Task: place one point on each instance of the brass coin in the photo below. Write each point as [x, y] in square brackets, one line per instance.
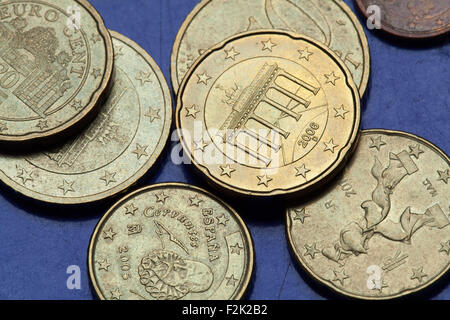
[381, 230]
[331, 22]
[170, 241]
[56, 61]
[116, 150]
[411, 19]
[267, 113]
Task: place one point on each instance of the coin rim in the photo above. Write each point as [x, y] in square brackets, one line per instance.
[403, 33]
[298, 256]
[250, 263]
[96, 96]
[176, 83]
[139, 173]
[333, 169]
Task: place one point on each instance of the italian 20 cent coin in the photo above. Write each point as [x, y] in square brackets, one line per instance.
[330, 22]
[268, 113]
[56, 59]
[412, 19]
[167, 242]
[117, 148]
[382, 229]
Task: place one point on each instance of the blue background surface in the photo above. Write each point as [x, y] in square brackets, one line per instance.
[408, 90]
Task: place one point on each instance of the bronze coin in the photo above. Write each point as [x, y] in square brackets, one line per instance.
[413, 19]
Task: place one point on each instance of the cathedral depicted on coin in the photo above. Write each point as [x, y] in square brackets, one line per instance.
[167, 242]
[117, 149]
[56, 60]
[382, 229]
[410, 18]
[329, 21]
[267, 113]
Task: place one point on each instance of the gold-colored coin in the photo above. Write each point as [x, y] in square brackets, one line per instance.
[170, 241]
[56, 60]
[117, 149]
[267, 113]
[382, 229]
[331, 22]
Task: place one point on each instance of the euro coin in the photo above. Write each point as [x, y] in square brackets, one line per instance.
[381, 230]
[170, 241]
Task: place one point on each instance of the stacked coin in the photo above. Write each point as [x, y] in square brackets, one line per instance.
[268, 105]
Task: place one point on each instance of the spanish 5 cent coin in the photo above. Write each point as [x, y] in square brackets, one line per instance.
[56, 60]
[117, 149]
[170, 241]
[330, 22]
[268, 113]
[381, 230]
[413, 19]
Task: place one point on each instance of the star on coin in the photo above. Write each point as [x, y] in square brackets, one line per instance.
[301, 215]
[161, 197]
[264, 179]
[231, 54]
[445, 247]
[203, 78]
[76, 104]
[222, 220]
[42, 125]
[330, 146]
[141, 151]
[340, 276]
[340, 112]
[418, 274]
[331, 78]
[200, 145]
[231, 281]
[311, 250]
[444, 175]
[95, 38]
[377, 143]
[130, 209]
[67, 187]
[304, 54]
[108, 177]
[415, 151]
[118, 51]
[195, 201]
[109, 234]
[3, 126]
[103, 265]
[192, 112]
[268, 45]
[302, 171]
[143, 77]
[25, 176]
[236, 249]
[115, 294]
[152, 114]
[227, 170]
[96, 72]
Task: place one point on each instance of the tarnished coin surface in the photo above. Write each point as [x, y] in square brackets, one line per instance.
[409, 18]
[328, 21]
[381, 229]
[117, 149]
[56, 60]
[170, 241]
[268, 113]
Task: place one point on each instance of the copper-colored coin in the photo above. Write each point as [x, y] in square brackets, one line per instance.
[381, 230]
[328, 21]
[411, 18]
[56, 60]
[170, 241]
[268, 113]
[117, 148]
